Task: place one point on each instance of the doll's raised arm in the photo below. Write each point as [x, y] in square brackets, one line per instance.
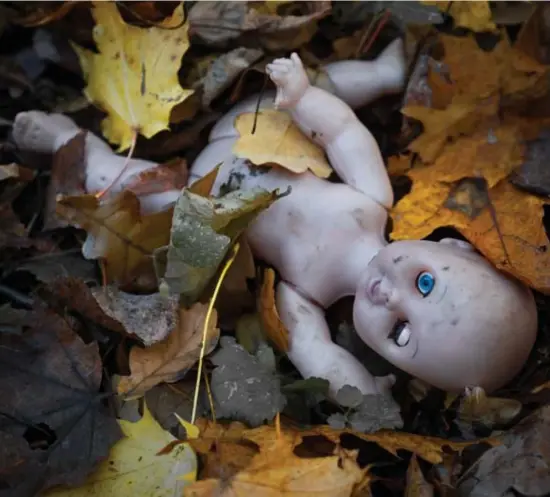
[313, 352]
[350, 147]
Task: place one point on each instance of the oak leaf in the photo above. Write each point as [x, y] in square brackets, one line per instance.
[118, 233]
[134, 77]
[168, 360]
[146, 462]
[276, 140]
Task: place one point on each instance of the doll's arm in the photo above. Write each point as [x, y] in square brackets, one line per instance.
[313, 352]
[351, 149]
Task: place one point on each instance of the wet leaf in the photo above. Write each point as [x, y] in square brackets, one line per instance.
[171, 175]
[244, 386]
[60, 376]
[130, 78]
[276, 140]
[140, 465]
[149, 317]
[202, 232]
[118, 233]
[169, 360]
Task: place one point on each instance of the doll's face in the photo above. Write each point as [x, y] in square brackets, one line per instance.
[441, 312]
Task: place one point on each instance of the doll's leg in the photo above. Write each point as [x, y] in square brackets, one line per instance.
[45, 133]
[351, 149]
[359, 82]
[314, 353]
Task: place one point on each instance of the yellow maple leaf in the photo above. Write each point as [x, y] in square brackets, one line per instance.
[277, 471]
[134, 77]
[140, 465]
[481, 83]
[508, 230]
[471, 15]
[278, 141]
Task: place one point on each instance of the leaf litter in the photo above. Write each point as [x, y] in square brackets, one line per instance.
[83, 336]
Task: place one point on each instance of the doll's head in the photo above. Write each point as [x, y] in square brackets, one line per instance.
[444, 314]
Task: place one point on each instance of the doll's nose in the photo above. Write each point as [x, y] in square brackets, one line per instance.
[384, 294]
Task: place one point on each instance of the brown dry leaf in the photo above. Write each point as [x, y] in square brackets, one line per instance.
[171, 175]
[471, 15]
[278, 141]
[519, 466]
[121, 236]
[276, 470]
[428, 448]
[169, 360]
[417, 486]
[271, 322]
[149, 317]
[218, 22]
[68, 177]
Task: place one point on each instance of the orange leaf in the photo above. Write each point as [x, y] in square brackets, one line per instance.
[271, 322]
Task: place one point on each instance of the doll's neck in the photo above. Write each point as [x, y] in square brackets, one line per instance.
[358, 255]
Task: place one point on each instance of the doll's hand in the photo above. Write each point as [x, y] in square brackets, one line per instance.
[291, 80]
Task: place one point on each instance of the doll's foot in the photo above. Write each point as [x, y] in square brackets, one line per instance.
[44, 133]
[291, 80]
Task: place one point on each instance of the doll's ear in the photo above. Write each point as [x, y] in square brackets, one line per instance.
[458, 243]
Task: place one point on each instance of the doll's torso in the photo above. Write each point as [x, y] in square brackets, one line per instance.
[307, 235]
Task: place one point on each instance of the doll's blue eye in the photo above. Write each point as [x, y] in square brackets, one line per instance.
[425, 283]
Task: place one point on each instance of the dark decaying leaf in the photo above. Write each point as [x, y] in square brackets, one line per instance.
[12, 320]
[202, 232]
[67, 178]
[225, 69]
[417, 486]
[244, 386]
[50, 267]
[534, 174]
[49, 382]
[520, 466]
[368, 413]
[149, 317]
[216, 23]
[171, 175]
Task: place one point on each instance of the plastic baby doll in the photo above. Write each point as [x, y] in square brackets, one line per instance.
[439, 311]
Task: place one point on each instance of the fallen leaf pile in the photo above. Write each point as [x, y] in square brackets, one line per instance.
[472, 142]
[143, 353]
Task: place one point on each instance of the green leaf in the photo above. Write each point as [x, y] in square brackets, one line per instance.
[203, 230]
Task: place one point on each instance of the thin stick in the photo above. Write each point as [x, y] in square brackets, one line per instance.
[205, 328]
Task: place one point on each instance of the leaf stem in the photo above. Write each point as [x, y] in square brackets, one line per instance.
[124, 167]
[205, 327]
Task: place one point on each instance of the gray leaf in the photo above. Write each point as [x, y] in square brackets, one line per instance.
[376, 412]
[337, 421]
[242, 387]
